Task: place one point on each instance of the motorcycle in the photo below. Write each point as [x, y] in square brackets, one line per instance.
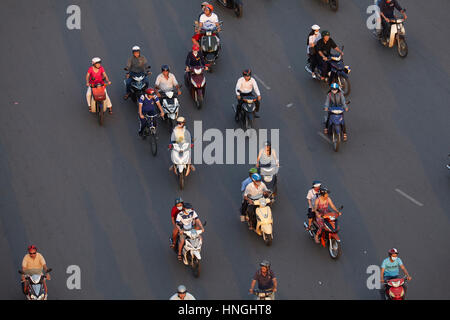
[170, 106]
[397, 35]
[334, 4]
[197, 83]
[335, 126]
[263, 294]
[210, 43]
[329, 234]
[236, 5]
[269, 175]
[150, 130]
[98, 98]
[264, 219]
[35, 284]
[448, 166]
[181, 156]
[394, 289]
[138, 85]
[191, 249]
[245, 115]
[338, 73]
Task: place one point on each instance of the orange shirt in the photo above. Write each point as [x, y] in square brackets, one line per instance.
[37, 262]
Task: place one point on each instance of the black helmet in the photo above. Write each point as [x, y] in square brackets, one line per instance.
[179, 200]
[323, 190]
[165, 67]
[187, 205]
[325, 33]
[247, 72]
[265, 263]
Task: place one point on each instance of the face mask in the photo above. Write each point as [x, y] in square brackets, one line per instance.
[316, 32]
[195, 53]
[394, 258]
[180, 208]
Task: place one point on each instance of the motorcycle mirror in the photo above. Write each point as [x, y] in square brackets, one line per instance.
[49, 270]
[21, 272]
[342, 207]
[126, 69]
[348, 102]
[204, 223]
[342, 48]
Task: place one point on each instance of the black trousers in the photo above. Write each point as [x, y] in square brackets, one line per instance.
[313, 61]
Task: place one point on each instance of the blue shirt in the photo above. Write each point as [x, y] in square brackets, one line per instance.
[149, 105]
[245, 183]
[391, 268]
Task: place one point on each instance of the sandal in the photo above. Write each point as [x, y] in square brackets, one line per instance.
[316, 240]
[179, 257]
[172, 246]
[345, 137]
[110, 110]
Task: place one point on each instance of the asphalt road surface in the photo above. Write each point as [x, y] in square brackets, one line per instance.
[95, 197]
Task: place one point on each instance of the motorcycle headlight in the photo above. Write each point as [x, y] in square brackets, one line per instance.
[267, 178]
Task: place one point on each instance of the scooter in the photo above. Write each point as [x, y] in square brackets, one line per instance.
[394, 289]
[269, 175]
[246, 115]
[210, 43]
[264, 220]
[35, 284]
[138, 85]
[335, 126]
[338, 72]
[329, 236]
[334, 4]
[397, 35]
[197, 83]
[98, 98]
[181, 157]
[236, 5]
[150, 131]
[263, 294]
[170, 105]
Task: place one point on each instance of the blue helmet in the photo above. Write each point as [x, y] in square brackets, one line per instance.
[256, 177]
[335, 86]
[316, 183]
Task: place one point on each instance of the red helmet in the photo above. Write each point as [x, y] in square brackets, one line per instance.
[149, 91]
[32, 247]
[393, 251]
[210, 7]
[195, 47]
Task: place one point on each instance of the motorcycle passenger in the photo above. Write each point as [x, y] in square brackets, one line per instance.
[194, 59]
[182, 294]
[147, 106]
[311, 196]
[267, 157]
[254, 190]
[207, 16]
[321, 207]
[186, 220]
[390, 270]
[166, 81]
[265, 278]
[244, 184]
[387, 8]
[181, 135]
[176, 209]
[33, 263]
[335, 98]
[323, 47]
[311, 51]
[246, 85]
[96, 75]
[136, 64]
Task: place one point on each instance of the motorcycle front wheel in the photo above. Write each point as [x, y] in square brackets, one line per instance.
[336, 139]
[402, 47]
[153, 143]
[334, 247]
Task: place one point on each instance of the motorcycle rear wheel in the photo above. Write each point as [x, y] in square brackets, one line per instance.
[100, 112]
[196, 267]
[267, 239]
[238, 9]
[344, 83]
[334, 5]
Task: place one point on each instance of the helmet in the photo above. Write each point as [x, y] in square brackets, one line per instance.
[96, 60]
[32, 247]
[393, 251]
[179, 200]
[195, 47]
[210, 7]
[265, 263]
[256, 177]
[204, 3]
[181, 120]
[325, 33]
[181, 289]
[323, 190]
[267, 144]
[187, 205]
[165, 67]
[253, 170]
[334, 86]
[136, 48]
[247, 72]
[316, 183]
[149, 91]
[315, 27]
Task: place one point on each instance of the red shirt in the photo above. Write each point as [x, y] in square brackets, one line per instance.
[96, 77]
[175, 212]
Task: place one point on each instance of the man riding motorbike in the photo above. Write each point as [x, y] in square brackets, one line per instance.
[335, 98]
[33, 262]
[390, 270]
[207, 16]
[311, 51]
[323, 48]
[166, 81]
[176, 209]
[255, 190]
[147, 106]
[182, 294]
[96, 75]
[186, 220]
[136, 64]
[311, 196]
[265, 278]
[181, 135]
[246, 85]
[244, 185]
[387, 8]
[321, 207]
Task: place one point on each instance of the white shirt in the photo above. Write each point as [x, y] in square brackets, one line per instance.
[166, 84]
[253, 192]
[187, 297]
[247, 86]
[213, 18]
[187, 220]
[313, 40]
[312, 195]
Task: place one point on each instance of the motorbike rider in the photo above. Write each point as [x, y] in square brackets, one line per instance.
[323, 48]
[203, 5]
[335, 98]
[265, 278]
[181, 135]
[136, 64]
[387, 8]
[321, 207]
[244, 184]
[207, 16]
[166, 81]
[313, 37]
[176, 209]
[266, 156]
[96, 75]
[182, 294]
[254, 190]
[186, 220]
[311, 196]
[246, 85]
[147, 106]
[33, 262]
[390, 270]
[194, 59]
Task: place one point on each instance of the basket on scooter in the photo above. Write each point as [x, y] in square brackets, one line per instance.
[99, 93]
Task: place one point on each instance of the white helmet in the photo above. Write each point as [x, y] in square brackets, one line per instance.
[136, 48]
[96, 60]
[315, 27]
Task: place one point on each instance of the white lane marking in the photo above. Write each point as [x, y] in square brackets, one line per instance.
[289, 105]
[409, 197]
[262, 82]
[324, 136]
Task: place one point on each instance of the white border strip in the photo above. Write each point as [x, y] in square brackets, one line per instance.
[262, 82]
[409, 197]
